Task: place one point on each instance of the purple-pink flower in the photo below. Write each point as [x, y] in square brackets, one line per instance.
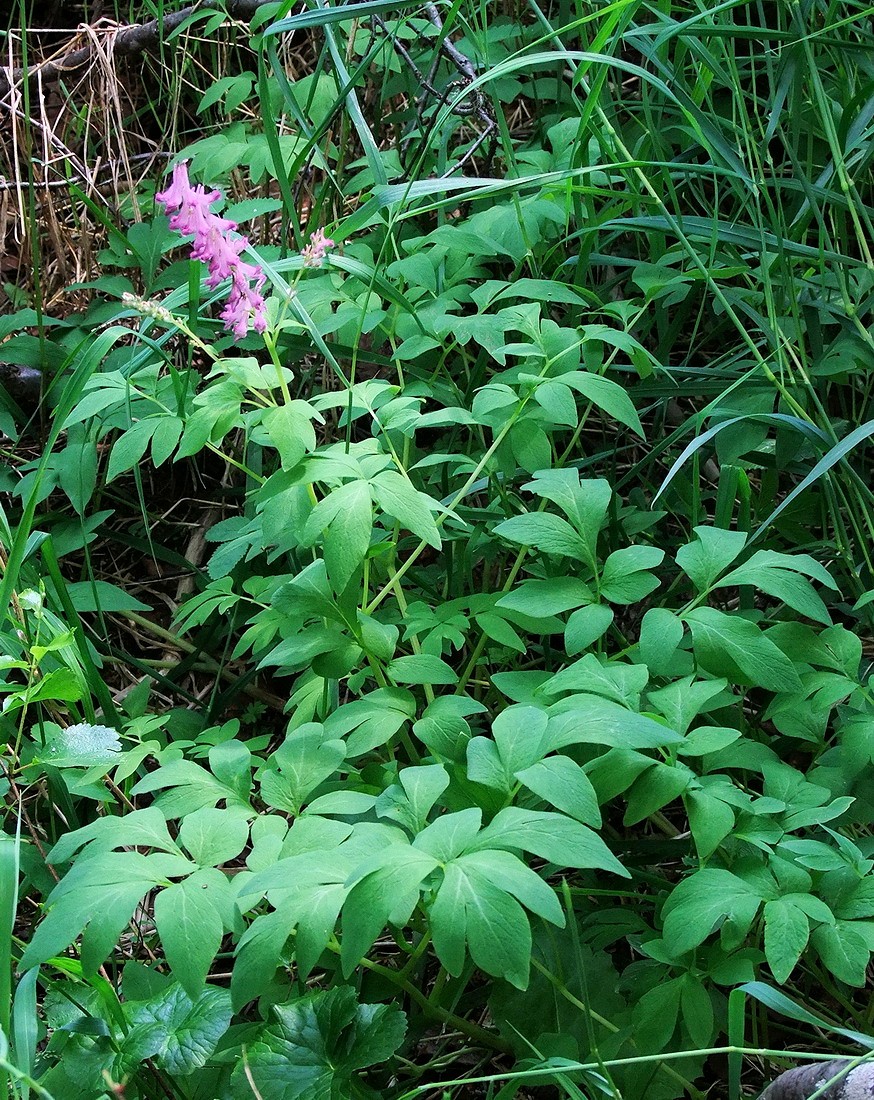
[218, 250]
[314, 252]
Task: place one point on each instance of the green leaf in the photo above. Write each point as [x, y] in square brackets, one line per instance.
[371, 721]
[468, 907]
[657, 787]
[378, 639]
[551, 836]
[563, 783]
[307, 757]
[843, 950]
[706, 739]
[82, 746]
[606, 395]
[190, 928]
[780, 575]
[165, 438]
[779, 1002]
[697, 1011]
[530, 445]
[344, 519]
[315, 1046]
[421, 668]
[626, 578]
[655, 1015]
[585, 626]
[682, 700]
[557, 401]
[307, 595]
[412, 799]
[712, 552]
[187, 786]
[731, 646]
[102, 891]
[384, 890]
[450, 834]
[590, 674]
[212, 837]
[180, 1033]
[661, 631]
[589, 719]
[585, 503]
[540, 599]
[290, 430]
[139, 828]
[710, 820]
[787, 930]
[130, 447]
[517, 741]
[518, 734]
[544, 531]
[412, 509]
[499, 630]
[97, 595]
[701, 903]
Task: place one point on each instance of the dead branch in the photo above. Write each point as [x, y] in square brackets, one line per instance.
[835, 1080]
[129, 40]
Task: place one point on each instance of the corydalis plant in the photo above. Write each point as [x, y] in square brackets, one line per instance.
[314, 253]
[219, 246]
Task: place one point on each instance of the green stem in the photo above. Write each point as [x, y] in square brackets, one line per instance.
[477, 1034]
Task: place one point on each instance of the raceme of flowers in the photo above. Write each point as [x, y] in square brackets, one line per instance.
[219, 246]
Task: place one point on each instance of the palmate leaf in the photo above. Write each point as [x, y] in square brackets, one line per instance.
[187, 787]
[702, 902]
[584, 502]
[99, 895]
[607, 396]
[369, 722]
[553, 837]
[315, 1046]
[470, 909]
[562, 783]
[384, 889]
[711, 553]
[478, 904]
[179, 1032]
[306, 758]
[140, 828]
[306, 887]
[517, 742]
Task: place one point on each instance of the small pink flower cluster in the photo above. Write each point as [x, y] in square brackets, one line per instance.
[314, 252]
[221, 252]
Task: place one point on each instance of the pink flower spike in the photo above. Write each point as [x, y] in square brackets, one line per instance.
[314, 252]
[173, 197]
[191, 215]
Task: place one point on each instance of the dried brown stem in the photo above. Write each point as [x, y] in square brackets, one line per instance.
[127, 40]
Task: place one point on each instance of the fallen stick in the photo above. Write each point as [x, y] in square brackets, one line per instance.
[826, 1080]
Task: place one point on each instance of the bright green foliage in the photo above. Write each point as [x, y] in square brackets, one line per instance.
[516, 699]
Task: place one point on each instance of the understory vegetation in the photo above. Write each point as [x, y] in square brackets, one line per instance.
[437, 547]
